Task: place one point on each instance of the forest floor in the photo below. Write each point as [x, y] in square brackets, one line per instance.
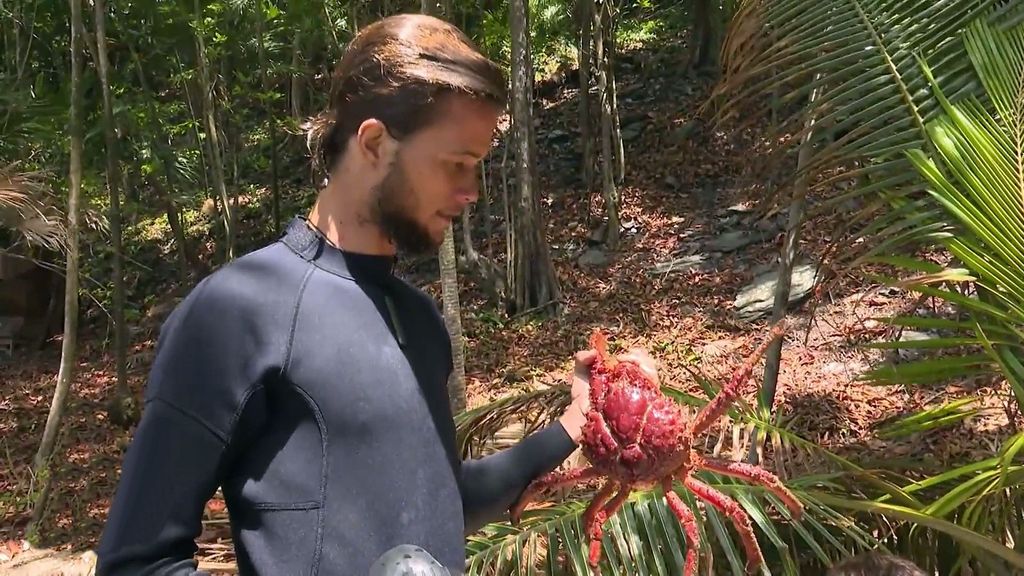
[679, 183]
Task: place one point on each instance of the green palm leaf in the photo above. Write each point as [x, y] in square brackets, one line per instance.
[874, 103]
[974, 172]
[644, 537]
[976, 176]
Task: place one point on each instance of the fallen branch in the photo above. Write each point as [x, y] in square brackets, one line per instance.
[529, 311]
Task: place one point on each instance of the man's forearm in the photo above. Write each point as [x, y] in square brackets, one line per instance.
[490, 485]
[573, 420]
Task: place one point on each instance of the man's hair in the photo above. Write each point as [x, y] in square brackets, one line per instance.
[397, 70]
[876, 564]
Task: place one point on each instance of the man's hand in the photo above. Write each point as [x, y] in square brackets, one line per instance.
[575, 416]
[641, 358]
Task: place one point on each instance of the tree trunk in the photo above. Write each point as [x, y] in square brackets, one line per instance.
[296, 81]
[773, 356]
[453, 320]
[611, 32]
[705, 34]
[186, 262]
[450, 294]
[611, 197]
[485, 209]
[210, 122]
[472, 256]
[65, 373]
[120, 406]
[585, 10]
[272, 128]
[531, 276]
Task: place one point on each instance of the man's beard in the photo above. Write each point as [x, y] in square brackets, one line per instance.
[393, 212]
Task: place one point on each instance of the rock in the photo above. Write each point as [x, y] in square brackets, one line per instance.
[683, 133]
[558, 135]
[632, 132]
[741, 208]
[631, 117]
[771, 225]
[735, 239]
[629, 227]
[757, 298]
[908, 354]
[684, 264]
[728, 221]
[36, 561]
[593, 257]
[765, 267]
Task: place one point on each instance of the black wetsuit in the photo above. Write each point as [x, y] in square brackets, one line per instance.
[311, 385]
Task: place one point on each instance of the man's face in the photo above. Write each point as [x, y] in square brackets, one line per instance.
[433, 176]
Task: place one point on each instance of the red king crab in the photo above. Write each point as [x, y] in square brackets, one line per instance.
[638, 438]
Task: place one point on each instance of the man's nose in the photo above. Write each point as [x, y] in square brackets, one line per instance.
[468, 194]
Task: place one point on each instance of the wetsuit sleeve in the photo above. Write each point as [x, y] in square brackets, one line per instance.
[193, 410]
[490, 485]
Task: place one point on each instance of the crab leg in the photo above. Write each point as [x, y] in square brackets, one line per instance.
[730, 508]
[755, 475]
[689, 522]
[728, 394]
[593, 521]
[620, 498]
[551, 481]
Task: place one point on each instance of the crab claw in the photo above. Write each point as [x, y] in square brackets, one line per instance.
[599, 342]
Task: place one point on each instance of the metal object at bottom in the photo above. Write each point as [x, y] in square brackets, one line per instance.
[408, 560]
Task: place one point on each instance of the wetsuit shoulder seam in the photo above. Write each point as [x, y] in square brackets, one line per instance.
[295, 318]
[195, 418]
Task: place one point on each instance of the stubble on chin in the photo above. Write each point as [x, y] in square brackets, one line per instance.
[391, 215]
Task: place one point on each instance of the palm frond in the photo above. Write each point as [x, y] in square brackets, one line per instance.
[976, 176]
[644, 537]
[874, 99]
[24, 208]
[507, 420]
[948, 414]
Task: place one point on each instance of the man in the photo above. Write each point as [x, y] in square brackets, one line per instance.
[309, 382]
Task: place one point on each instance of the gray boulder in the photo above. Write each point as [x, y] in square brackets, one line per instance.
[757, 298]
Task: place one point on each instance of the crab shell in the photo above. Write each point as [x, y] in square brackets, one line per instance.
[633, 432]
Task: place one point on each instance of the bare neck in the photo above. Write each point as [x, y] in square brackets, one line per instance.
[342, 214]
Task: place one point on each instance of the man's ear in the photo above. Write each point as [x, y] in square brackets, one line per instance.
[373, 141]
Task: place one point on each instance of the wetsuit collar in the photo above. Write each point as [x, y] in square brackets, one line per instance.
[309, 243]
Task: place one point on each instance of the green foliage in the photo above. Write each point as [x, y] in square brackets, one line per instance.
[874, 104]
[552, 33]
[974, 171]
[974, 176]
